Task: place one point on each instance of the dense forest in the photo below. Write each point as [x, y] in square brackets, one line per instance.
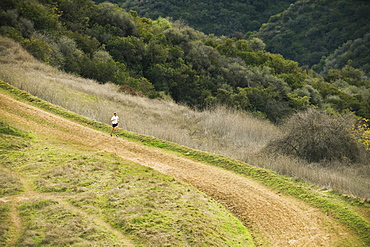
[322, 34]
[169, 59]
[317, 34]
[233, 17]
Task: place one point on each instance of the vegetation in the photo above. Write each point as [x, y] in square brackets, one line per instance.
[218, 130]
[160, 58]
[354, 53]
[227, 78]
[318, 137]
[71, 195]
[65, 168]
[211, 17]
[321, 34]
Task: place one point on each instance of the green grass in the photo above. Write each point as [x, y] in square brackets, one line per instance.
[73, 195]
[11, 139]
[5, 223]
[352, 217]
[6, 129]
[9, 184]
[48, 223]
[138, 201]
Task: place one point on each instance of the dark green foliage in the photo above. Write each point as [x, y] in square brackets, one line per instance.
[155, 57]
[75, 15]
[309, 31]
[43, 17]
[345, 90]
[218, 17]
[84, 42]
[355, 53]
[108, 14]
[37, 48]
[128, 50]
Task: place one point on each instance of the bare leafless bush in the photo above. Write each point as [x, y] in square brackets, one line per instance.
[318, 137]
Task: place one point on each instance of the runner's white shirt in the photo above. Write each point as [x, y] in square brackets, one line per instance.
[115, 119]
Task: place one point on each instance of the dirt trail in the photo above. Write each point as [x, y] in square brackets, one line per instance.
[283, 221]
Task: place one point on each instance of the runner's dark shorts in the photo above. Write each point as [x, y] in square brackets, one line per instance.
[114, 125]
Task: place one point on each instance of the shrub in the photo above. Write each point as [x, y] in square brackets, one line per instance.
[43, 17]
[37, 48]
[318, 137]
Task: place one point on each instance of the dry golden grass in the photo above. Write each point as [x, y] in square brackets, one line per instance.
[220, 130]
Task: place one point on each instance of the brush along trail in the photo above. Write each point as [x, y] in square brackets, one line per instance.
[276, 219]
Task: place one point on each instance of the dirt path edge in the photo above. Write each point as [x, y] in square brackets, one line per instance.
[284, 221]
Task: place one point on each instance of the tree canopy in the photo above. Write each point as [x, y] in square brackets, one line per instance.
[211, 17]
[155, 57]
[321, 34]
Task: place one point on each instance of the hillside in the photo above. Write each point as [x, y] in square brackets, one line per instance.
[233, 17]
[52, 195]
[218, 130]
[66, 185]
[55, 145]
[317, 34]
[164, 59]
[322, 34]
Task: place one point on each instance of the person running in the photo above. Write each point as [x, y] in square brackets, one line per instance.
[114, 120]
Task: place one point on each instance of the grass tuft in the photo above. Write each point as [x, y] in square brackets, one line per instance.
[49, 223]
[5, 223]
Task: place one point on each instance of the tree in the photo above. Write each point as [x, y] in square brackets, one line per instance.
[287, 69]
[37, 48]
[257, 44]
[109, 14]
[76, 14]
[43, 18]
[84, 42]
[130, 51]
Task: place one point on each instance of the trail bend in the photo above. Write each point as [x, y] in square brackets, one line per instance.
[281, 220]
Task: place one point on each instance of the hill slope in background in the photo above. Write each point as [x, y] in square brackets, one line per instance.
[309, 31]
[211, 17]
[306, 31]
[219, 130]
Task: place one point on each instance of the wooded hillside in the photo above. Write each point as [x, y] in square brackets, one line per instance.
[317, 34]
[211, 17]
[322, 34]
[161, 58]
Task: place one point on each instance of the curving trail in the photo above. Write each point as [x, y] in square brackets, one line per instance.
[280, 220]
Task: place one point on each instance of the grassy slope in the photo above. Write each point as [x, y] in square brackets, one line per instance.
[218, 130]
[345, 210]
[70, 195]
